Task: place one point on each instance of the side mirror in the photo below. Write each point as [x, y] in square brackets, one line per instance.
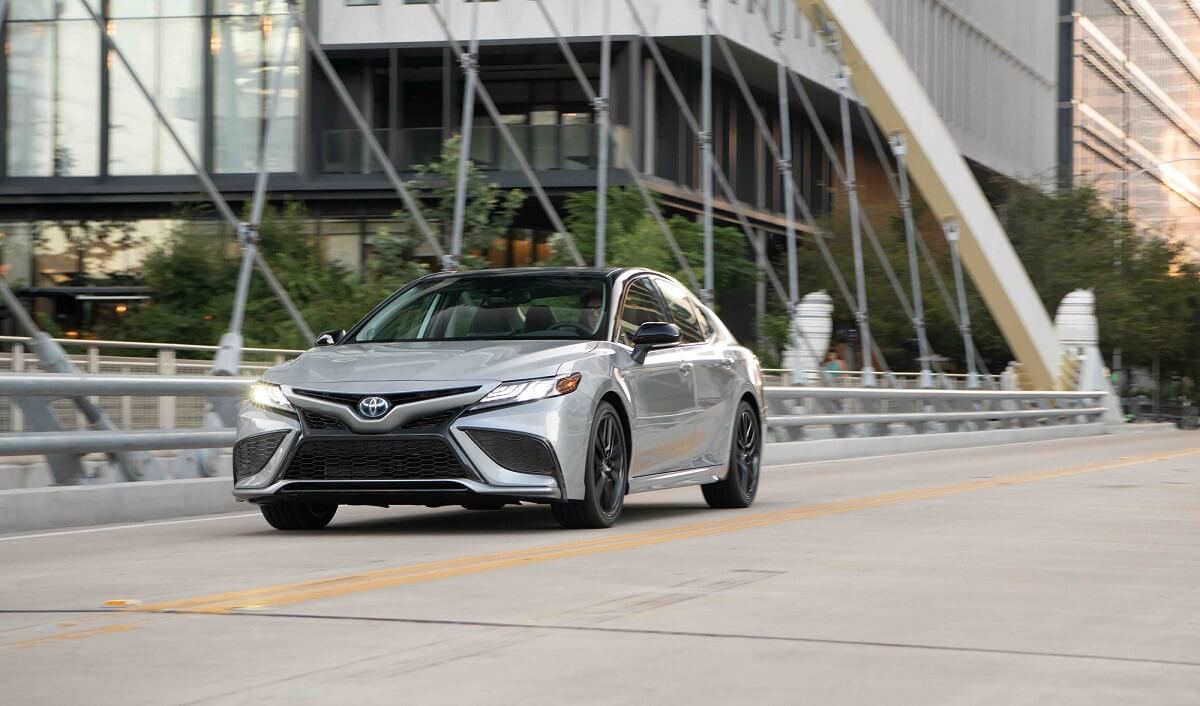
[653, 334]
[329, 338]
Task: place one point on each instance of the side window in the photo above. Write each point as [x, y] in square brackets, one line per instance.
[641, 306]
[683, 315]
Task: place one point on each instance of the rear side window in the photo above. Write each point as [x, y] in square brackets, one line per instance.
[641, 306]
[692, 327]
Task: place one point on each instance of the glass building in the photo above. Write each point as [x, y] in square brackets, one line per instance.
[1130, 107]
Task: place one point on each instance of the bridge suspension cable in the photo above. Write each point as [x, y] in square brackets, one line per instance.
[470, 67]
[519, 154]
[626, 158]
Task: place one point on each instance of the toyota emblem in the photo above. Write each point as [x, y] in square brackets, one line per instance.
[373, 407]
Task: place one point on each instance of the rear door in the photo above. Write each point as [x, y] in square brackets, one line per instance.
[662, 389]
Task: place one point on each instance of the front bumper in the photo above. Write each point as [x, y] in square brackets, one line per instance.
[557, 423]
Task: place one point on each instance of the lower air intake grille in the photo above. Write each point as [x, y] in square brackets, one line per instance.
[314, 420]
[252, 453]
[435, 420]
[516, 452]
[374, 459]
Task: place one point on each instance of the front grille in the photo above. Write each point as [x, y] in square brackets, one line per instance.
[374, 459]
[435, 420]
[252, 453]
[516, 452]
[314, 420]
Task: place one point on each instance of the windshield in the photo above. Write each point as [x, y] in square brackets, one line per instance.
[496, 307]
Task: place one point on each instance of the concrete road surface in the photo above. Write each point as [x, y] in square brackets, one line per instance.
[1057, 573]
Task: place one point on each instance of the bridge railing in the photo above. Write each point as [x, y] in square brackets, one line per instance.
[894, 380]
[796, 413]
[130, 358]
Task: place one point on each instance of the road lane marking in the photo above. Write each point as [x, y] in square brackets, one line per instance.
[331, 587]
[110, 528]
[76, 635]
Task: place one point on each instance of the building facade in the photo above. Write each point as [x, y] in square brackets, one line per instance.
[1130, 107]
[90, 182]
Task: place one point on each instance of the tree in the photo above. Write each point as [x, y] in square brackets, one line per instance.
[194, 276]
[487, 216]
[635, 240]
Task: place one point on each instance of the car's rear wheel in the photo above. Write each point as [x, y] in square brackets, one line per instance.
[605, 479]
[745, 456]
[298, 516]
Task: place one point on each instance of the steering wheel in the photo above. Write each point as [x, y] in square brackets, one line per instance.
[570, 324]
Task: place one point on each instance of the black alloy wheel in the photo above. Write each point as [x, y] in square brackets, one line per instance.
[740, 485]
[606, 478]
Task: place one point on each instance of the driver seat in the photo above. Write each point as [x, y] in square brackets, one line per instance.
[539, 318]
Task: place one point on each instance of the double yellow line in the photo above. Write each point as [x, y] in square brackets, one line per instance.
[287, 594]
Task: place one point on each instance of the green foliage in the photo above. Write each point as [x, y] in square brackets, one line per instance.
[487, 216]
[1067, 240]
[194, 276]
[635, 240]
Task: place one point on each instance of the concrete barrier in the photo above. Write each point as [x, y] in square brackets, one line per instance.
[73, 506]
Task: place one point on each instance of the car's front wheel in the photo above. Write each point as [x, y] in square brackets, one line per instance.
[745, 455]
[298, 516]
[605, 479]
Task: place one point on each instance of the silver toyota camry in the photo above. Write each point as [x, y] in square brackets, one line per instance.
[572, 387]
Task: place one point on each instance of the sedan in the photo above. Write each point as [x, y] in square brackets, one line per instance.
[571, 387]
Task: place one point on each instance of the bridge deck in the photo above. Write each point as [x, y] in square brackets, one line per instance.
[1057, 572]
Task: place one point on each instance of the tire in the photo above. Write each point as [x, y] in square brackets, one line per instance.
[298, 516]
[606, 476]
[484, 504]
[740, 485]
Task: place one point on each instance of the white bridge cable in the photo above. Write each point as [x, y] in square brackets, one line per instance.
[761, 258]
[697, 131]
[625, 157]
[926, 254]
[705, 137]
[470, 67]
[360, 122]
[769, 141]
[834, 159]
[486, 98]
[600, 107]
[206, 181]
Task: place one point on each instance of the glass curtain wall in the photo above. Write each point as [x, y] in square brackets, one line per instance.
[52, 52]
[163, 40]
[245, 43]
[208, 64]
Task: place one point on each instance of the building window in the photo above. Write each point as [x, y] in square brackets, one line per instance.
[53, 59]
[163, 41]
[245, 49]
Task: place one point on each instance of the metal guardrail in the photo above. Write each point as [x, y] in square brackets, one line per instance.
[889, 380]
[875, 411]
[59, 386]
[102, 357]
[794, 411]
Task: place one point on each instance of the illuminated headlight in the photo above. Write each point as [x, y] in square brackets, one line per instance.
[520, 391]
[269, 396]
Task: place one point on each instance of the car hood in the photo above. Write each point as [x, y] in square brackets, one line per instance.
[429, 361]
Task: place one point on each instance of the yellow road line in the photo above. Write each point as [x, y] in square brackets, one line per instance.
[286, 594]
[76, 635]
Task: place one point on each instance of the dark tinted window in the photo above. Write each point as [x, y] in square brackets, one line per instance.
[641, 306]
[491, 307]
[683, 314]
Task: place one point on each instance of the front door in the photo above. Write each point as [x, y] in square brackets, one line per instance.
[662, 389]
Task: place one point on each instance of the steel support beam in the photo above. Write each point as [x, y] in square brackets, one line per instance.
[601, 107]
[886, 84]
[470, 66]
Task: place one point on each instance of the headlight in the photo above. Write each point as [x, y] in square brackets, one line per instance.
[269, 396]
[508, 393]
